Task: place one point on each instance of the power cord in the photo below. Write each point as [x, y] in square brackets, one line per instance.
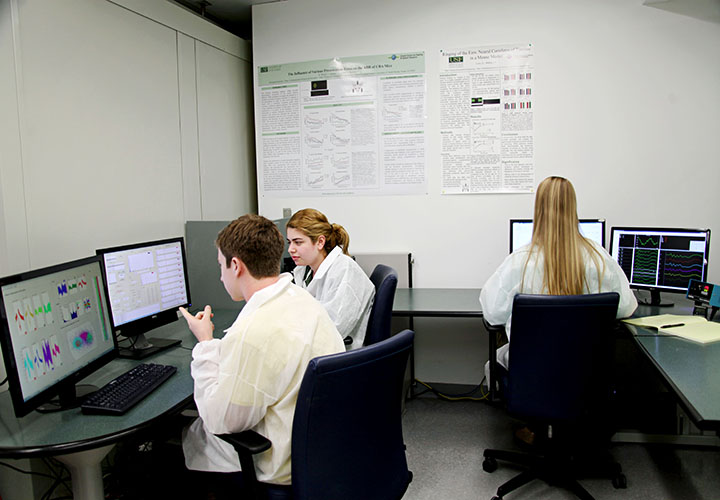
[59, 474]
[466, 396]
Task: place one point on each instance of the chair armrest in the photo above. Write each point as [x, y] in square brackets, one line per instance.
[493, 328]
[247, 444]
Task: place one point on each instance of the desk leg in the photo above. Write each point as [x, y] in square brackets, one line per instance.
[492, 354]
[87, 483]
[411, 325]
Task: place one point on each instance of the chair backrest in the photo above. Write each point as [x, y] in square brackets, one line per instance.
[385, 279]
[347, 432]
[560, 355]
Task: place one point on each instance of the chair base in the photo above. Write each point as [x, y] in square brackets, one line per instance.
[555, 470]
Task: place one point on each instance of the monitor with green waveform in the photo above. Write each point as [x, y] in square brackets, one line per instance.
[661, 259]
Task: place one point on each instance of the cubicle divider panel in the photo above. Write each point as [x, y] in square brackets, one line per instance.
[402, 262]
[203, 272]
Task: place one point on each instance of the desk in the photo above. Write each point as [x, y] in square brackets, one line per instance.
[82, 441]
[690, 370]
[439, 302]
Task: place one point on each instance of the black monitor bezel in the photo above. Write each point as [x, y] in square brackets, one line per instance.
[525, 221]
[660, 288]
[21, 406]
[143, 325]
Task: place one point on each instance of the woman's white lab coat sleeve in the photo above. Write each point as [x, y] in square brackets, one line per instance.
[615, 280]
[347, 299]
[498, 292]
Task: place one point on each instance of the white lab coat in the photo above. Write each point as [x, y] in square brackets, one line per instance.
[496, 296]
[250, 378]
[344, 289]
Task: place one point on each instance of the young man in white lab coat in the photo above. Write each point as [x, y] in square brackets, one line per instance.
[249, 379]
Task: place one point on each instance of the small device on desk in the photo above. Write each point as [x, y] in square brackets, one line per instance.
[704, 294]
[55, 330]
[661, 259]
[146, 284]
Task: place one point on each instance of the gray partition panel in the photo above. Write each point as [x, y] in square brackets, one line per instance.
[203, 271]
[401, 262]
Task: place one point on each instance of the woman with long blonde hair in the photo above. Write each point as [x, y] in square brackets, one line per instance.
[326, 270]
[558, 261]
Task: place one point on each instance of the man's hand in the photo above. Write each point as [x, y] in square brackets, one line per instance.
[201, 324]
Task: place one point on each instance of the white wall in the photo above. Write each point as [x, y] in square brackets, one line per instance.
[625, 105]
[119, 121]
[118, 126]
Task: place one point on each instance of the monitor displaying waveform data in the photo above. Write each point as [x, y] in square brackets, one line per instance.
[521, 231]
[55, 331]
[146, 284]
[661, 259]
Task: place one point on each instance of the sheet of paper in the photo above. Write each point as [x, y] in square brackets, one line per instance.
[664, 320]
[486, 119]
[342, 126]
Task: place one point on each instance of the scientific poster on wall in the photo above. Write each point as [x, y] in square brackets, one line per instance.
[349, 126]
[486, 120]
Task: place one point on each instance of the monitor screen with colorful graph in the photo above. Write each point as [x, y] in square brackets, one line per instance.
[55, 331]
[661, 259]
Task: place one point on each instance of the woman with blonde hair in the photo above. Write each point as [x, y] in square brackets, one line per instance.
[558, 261]
[326, 270]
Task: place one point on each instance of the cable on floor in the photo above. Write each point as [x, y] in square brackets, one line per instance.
[466, 396]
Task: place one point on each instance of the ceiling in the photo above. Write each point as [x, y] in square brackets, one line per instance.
[231, 15]
[234, 15]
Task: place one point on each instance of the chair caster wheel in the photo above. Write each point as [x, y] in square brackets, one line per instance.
[619, 481]
[490, 465]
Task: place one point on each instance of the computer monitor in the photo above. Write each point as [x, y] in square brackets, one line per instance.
[521, 231]
[146, 284]
[661, 259]
[55, 331]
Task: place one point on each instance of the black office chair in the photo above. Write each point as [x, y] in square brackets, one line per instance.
[347, 431]
[385, 279]
[558, 381]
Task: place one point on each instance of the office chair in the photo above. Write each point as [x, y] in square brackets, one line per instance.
[347, 431]
[560, 359]
[385, 279]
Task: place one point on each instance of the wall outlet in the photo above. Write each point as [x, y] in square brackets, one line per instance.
[287, 213]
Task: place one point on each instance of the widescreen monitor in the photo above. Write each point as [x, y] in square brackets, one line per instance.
[661, 259]
[521, 231]
[55, 331]
[146, 284]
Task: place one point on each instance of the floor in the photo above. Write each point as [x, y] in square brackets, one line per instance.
[445, 441]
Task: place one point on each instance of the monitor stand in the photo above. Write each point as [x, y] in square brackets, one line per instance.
[142, 347]
[69, 398]
[655, 300]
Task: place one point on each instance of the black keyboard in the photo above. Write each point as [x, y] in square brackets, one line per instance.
[122, 393]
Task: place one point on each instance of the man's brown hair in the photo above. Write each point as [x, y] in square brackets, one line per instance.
[256, 241]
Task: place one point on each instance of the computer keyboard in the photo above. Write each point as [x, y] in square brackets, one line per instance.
[123, 392]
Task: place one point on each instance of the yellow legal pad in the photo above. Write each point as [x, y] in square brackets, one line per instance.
[695, 328]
